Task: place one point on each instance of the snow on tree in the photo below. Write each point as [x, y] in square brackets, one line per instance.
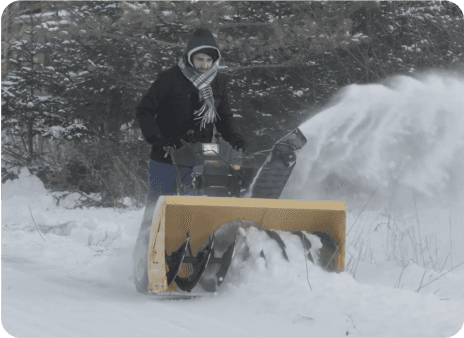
[29, 108]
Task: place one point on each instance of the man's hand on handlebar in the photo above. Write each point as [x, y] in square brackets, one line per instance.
[165, 144]
[238, 143]
[168, 148]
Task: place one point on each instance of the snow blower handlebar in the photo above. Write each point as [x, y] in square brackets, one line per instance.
[220, 160]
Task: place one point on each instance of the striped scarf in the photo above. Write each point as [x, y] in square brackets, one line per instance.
[207, 113]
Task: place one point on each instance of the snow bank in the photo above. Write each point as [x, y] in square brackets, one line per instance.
[84, 242]
[24, 186]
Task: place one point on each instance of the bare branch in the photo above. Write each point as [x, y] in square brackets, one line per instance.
[442, 275]
[159, 42]
[420, 286]
[30, 212]
[287, 64]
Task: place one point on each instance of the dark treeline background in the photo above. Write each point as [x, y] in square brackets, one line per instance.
[73, 73]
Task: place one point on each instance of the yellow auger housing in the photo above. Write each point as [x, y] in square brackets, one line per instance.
[177, 216]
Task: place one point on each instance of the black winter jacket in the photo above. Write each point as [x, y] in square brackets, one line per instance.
[166, 112]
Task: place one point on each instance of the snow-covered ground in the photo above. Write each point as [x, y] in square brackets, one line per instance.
[393, 152]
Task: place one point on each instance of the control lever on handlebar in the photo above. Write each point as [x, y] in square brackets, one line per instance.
[168, 150]
[187, 145]
[191, 136]
[218, 136]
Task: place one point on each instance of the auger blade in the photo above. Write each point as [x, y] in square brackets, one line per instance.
[275, 236]
[202, 259]
[174, 261]
[225, 264]
[306, 243]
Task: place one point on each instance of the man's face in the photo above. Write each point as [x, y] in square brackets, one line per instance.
[202, 62]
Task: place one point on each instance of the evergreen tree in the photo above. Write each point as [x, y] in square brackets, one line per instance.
[98, 72]
[28, 108]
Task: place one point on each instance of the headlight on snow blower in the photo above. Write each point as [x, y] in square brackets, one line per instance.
[210, 149]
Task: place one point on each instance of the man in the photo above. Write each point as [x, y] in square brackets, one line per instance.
[189, 96]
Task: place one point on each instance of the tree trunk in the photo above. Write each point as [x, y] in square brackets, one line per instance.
[30, 141]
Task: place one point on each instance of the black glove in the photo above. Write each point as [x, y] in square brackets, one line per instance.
[189, 137]
[237, 142]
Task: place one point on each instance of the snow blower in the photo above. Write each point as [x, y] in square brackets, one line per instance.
[196, 230]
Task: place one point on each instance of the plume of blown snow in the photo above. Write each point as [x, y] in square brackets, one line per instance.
[402, 139]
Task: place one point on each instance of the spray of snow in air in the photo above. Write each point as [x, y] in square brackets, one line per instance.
[402, 137]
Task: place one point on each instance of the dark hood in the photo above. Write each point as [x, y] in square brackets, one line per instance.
[200, 39]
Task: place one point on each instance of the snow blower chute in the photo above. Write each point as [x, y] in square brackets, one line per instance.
[197, 229]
